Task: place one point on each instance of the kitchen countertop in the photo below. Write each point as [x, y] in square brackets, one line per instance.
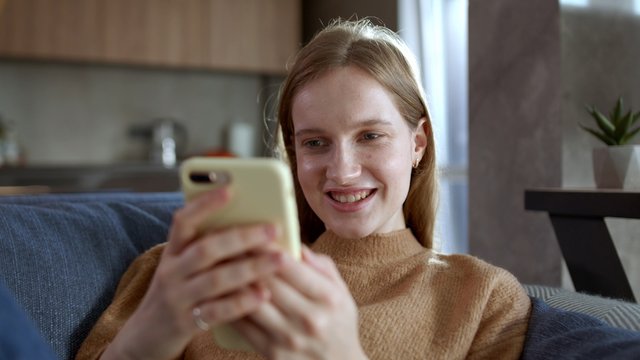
[88, 178]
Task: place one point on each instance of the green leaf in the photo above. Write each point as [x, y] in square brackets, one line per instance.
[629, 135]
[602, 137]
[622, 127]
[615, 116]
[636, 116]
[603, 123]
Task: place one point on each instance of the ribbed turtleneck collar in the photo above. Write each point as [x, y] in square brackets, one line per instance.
[376, 249]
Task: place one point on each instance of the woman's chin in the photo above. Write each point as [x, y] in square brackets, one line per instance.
[346, 233]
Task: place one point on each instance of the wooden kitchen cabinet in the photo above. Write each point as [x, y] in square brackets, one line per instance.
[239, 35]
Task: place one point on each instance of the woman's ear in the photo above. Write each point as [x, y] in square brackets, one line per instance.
[420, 140]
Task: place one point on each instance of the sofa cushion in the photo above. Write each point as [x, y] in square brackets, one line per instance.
[558, 334]
[19, 338]
[63, 255]
[615, 312]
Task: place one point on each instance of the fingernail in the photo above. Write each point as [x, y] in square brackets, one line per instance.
[220, 193]
[310, 257]
[272, 231]
[262, 293]
[213, 196]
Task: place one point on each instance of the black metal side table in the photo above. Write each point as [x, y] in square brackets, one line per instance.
[577, 216]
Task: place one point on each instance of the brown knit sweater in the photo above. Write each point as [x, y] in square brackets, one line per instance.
[413, 303]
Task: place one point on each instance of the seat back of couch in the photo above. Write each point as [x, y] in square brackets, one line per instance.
[615, 312]
[62, 255]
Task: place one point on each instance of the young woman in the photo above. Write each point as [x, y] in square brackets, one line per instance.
[356, 131]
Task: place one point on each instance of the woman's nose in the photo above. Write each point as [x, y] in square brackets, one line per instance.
[344, 166]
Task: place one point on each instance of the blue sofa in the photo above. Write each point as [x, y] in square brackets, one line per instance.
[62, 256]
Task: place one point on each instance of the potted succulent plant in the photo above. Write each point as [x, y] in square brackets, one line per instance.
[617, 165]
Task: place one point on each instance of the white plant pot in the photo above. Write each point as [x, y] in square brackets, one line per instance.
[617, 167]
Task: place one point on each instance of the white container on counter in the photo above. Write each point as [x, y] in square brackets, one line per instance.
[241, 139]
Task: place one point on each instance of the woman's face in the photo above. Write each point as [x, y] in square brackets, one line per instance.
[354, 152]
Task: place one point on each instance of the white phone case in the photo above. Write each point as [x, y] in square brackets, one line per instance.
[262, 192]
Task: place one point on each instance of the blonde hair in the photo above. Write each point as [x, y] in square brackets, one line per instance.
[383, 55]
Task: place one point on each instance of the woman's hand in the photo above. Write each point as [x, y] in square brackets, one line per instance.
[311, 314]
[220, 273]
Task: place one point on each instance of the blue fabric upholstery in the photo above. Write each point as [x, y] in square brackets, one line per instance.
[559, 334]
[618, 313]
[63, 255]
[19, 338]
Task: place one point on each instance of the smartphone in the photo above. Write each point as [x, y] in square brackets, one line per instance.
[261, 192]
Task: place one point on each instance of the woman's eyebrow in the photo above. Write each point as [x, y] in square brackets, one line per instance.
[365, 123]
[307, 131]
[375, 122]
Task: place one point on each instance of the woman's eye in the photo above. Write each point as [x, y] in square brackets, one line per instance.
[370, 136]
[313, 143]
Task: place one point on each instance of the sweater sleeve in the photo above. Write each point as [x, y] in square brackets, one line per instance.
[130, 291]
[502, 329]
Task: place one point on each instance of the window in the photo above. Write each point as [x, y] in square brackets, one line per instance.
[436, 31]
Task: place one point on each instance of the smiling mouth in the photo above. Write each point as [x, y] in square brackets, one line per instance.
[346, 198]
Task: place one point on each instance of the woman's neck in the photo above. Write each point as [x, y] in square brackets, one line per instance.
[370, 250]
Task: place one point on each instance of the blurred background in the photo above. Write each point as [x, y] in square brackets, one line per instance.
[110, 95]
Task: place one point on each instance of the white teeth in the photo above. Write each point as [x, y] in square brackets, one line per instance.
[351, 197]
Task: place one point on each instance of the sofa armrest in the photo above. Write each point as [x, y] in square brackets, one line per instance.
[618, 313]
[63, 255]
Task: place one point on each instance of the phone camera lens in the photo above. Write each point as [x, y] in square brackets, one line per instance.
[203, 178]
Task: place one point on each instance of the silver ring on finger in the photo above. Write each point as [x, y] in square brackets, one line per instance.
[197, 318]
